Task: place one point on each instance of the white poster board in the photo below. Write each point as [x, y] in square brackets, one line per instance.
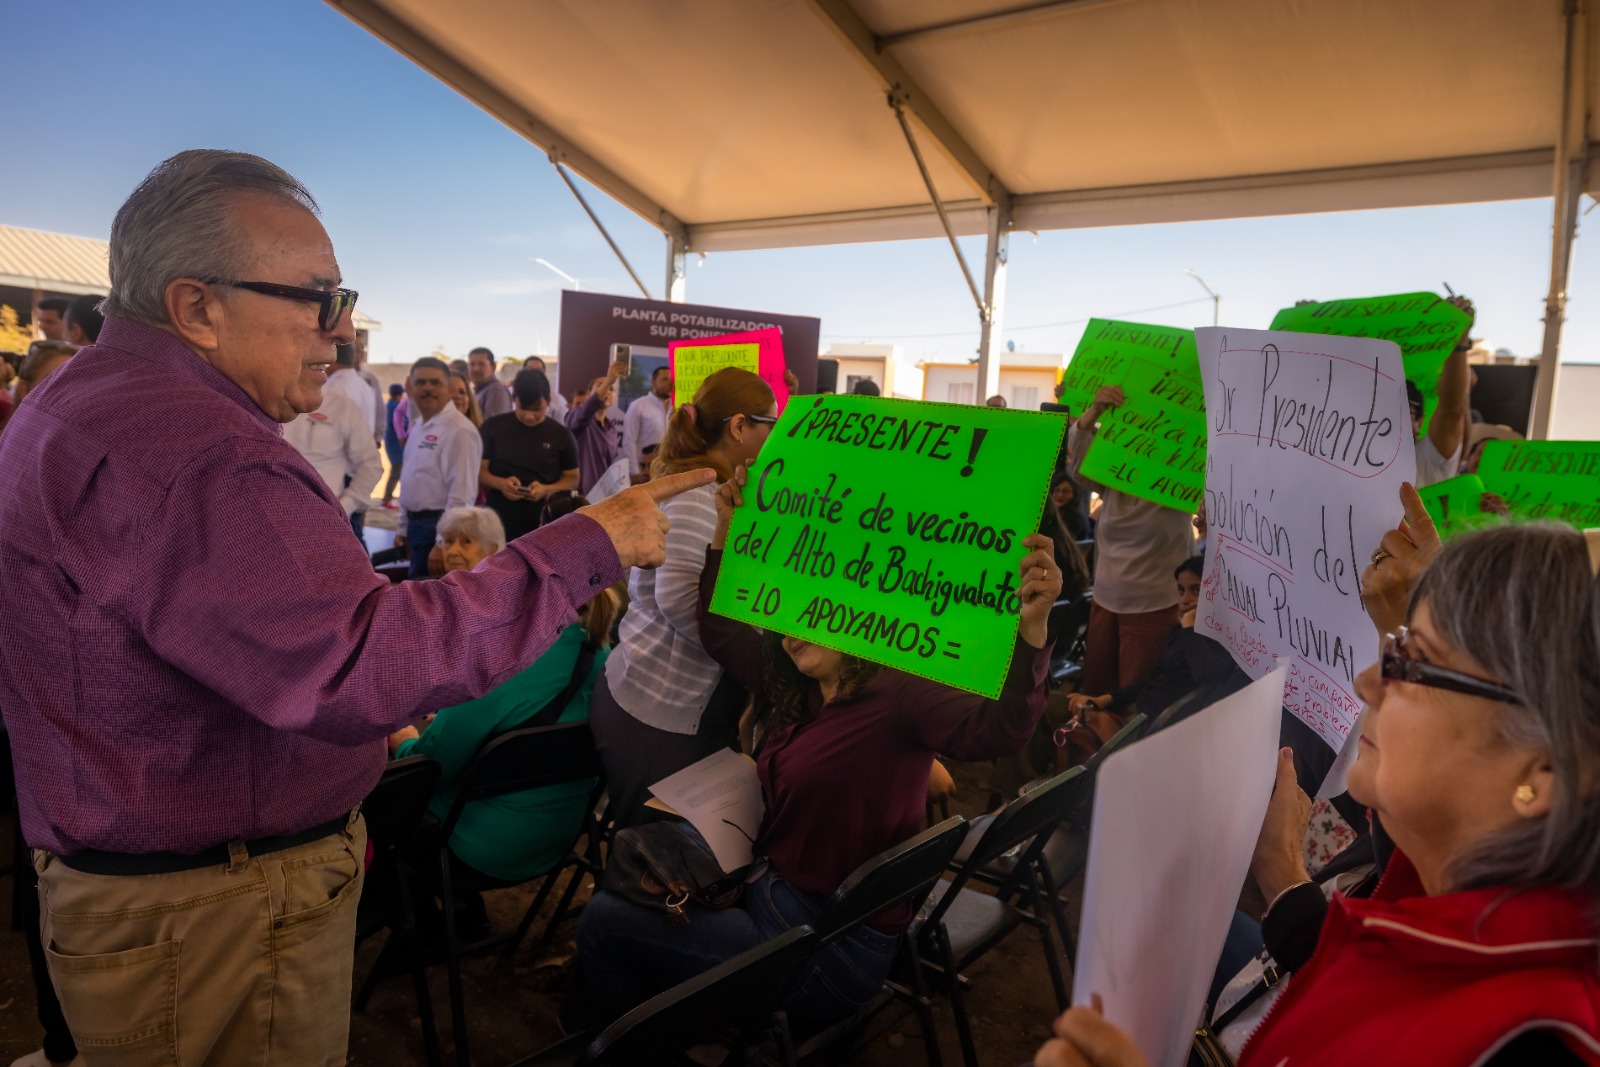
[612, 482]
[1308, 440]
[1176, 817]
[721, 796]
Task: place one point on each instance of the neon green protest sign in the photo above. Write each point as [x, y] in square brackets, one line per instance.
[1424, 325]
[1456, 505]
[693, 364]
[1558, 480]
[892, 530]
[1154, 445]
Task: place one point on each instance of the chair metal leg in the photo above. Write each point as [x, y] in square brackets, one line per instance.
[958, 1001]
[783, 1038]
[533, 911]
[922, 1004]
[563, 906]
[1041, 894]
[419, 972]
[458, 1002]
[1069, 944]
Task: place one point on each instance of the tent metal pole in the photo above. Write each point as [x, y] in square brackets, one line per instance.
[994, 299]
[1568, 186]
[561, 170]
[938, 205]
[677, 258]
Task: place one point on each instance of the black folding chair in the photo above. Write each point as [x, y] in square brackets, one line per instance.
[514, 762]
[741, 997]
[903, 874]
[1069, 621]
[958, 925]
[395, 813]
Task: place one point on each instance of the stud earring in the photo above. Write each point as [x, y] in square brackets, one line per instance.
[1524, 794]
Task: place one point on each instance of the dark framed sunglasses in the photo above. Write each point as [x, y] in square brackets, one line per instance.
[764, 420]
[334, 302]
[1397, 663]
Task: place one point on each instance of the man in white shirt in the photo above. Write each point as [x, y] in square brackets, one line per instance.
[646, 423]
[493, 397]
[346, 381]
[1439, 450]
[443, 451]
[381, 408]
[336, 440]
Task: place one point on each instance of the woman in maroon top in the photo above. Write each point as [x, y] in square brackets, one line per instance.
[844, 753]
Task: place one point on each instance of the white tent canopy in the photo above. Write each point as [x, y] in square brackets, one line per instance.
[738, 124]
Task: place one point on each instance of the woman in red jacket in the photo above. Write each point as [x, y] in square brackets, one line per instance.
[1480, 753]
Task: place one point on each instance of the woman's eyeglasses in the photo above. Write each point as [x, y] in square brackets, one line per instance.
[1398, 663]
[335, 302]
[764, 420]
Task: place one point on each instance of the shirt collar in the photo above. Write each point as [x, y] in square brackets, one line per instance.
[166, 351]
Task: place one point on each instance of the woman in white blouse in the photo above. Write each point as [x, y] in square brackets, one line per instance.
[664, 704]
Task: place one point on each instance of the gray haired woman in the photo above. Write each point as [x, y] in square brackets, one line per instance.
[1480, 756]
[467, 536]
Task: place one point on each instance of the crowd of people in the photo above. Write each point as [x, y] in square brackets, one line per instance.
[198, 698]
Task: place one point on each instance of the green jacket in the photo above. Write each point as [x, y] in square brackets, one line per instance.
[522, 835]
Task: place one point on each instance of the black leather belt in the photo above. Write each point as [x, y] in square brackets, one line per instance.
[92, 862]
[433, 514]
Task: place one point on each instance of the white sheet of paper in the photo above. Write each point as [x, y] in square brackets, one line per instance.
[612, 482]
[721, 796]
[1308, 440]
[1176, 817]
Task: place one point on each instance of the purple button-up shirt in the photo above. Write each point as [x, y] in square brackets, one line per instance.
[193, 650]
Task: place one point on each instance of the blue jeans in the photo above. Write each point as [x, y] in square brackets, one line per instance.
[421, 533]
[628, 953]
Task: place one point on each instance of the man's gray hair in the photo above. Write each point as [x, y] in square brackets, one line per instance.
[179, 224]
[481, 524]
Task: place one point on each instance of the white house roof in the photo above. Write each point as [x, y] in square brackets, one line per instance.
[65, 263]
[56, 262]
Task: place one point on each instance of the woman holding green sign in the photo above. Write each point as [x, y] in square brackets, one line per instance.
[843, 760]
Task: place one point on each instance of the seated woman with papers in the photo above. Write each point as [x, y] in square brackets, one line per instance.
[843, 756]
[1478, 750]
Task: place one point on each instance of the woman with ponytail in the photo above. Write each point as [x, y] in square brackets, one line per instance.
[663, 703]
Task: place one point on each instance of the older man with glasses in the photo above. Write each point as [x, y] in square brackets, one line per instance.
[199, 679]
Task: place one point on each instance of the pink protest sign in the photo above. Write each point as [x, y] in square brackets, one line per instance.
[760, 351]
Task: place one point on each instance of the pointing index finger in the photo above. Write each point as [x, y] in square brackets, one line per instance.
[1417, 517]
[663, 489]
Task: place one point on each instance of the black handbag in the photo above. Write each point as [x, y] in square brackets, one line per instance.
[667, 866]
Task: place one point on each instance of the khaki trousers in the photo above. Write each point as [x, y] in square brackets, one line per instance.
[247, 963]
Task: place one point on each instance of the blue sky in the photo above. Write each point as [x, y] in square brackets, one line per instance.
[436, 209]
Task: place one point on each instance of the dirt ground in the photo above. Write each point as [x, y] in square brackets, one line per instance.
[512, 1006]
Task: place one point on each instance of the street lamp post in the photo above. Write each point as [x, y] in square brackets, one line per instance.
[545, 263]
[1216, 298]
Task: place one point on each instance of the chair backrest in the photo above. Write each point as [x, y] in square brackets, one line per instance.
[400, 799]
[734, 995]
[1069, 617]
[529, 758]
[904, 873]
[1031, 817]
[1170, 714]
[1035, 812]
[1131, 731]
